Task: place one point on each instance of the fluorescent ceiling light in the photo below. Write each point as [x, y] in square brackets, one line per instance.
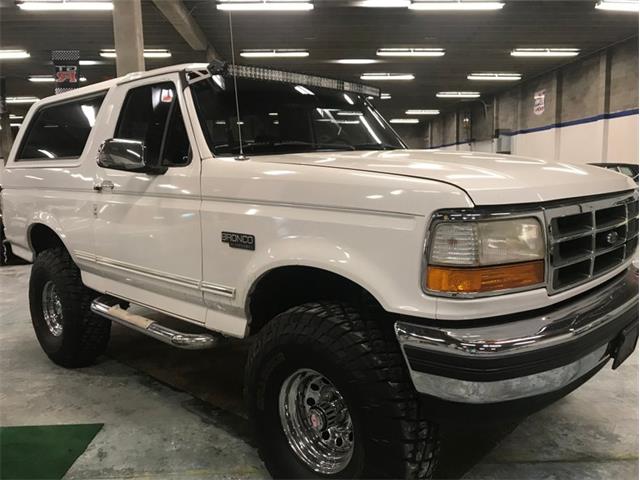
[13, 54]
[385, 96]
[386, 76]
[356, 61]
[89, 62]
[456, 5]
[495, 77]
[15, 124]
[458, 94]
[303, 90]
[545, 52]
[278, 52]
[422, 112]
[404, 120]
[619, 5]
[64, 5]
[22, 99]
[15, 117]
[264, 5]
[410, 52]
[48, 78]
[383, 3]
[148, 53]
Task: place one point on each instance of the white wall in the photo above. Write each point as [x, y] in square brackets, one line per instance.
[622, 141]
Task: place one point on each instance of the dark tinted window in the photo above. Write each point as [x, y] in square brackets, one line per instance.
[61, 130]
[152, 114]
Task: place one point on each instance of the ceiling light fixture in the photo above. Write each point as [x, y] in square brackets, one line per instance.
[356, 61]
[15, 117]
[385, 96]
[423, 112]
[89, 62]
[15, 125]
[456, 5]
[386, 76]
[15, 100]
[264, 5]
[410, 52]
[404, 120]
[13, 54]
[619, 5]
[63, 5]
[383, 3]
[458, 94]
[545, 52]
[277, 52]
[48, 78]
[495, 77]
[303, 90]
[148, 53]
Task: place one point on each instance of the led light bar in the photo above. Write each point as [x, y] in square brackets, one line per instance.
[404, 120]
[278, 52]
[355, 61]
[15, 100]
[264, 5]
[260, 73]
[458, 94]
[545, 52]
[13, 54]
[148, 53]
[48, 78]
[410, 52]
[619, 5]
[386, 76]
[495, 77]
[456, 5]
[383, 3]
[422, 112]
[63, 5]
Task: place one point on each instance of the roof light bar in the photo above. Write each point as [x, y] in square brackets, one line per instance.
[410, 52]
[619, 5]
[13, 54]
[495, 77]
[356, 61]
[16, 100]
[386, 76]
[455, 5]
[545, 52]
[148, 53]
[278, 52]
[264, 5]
[423, 112]
[63, 5]
[404, 120]
[48, 78]
[458, 94]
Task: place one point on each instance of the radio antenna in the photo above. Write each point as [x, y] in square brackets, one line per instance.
[235, 89]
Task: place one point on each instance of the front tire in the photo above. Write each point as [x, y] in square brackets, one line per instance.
[330, 397]
[68, 332]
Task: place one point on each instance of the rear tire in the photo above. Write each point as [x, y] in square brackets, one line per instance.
[335, 346]
[69, 333]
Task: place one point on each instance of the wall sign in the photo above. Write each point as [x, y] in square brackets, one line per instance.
[538, 102]
[67, 75]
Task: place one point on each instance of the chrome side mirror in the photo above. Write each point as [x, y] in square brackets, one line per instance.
[127, 155]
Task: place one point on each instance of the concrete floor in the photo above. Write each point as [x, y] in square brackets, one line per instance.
[175, 414]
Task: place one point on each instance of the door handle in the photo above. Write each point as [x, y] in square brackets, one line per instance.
[104, 185]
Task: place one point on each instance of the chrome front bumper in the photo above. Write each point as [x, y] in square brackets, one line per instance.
[520, 356]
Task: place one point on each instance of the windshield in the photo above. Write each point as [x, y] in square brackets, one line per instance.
[278, 118]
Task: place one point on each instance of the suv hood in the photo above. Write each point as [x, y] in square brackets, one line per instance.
[489, 179]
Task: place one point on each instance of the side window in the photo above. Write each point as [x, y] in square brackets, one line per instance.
[60, 130]
[152, 115]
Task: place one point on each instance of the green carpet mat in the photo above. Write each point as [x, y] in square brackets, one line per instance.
[42, 452]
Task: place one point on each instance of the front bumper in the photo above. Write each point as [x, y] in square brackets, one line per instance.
[522, 356]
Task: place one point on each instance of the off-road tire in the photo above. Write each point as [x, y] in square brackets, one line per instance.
[364, 362]
[84, 335]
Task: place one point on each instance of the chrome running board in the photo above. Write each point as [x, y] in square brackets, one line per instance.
[108, 307]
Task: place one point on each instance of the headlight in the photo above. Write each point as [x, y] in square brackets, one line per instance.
[485, 256]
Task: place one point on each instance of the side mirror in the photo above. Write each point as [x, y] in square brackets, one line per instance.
[127, 155]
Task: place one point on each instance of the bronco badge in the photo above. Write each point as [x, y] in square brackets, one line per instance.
[239, 240]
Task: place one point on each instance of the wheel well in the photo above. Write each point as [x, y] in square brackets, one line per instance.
[285, 287]
[42, 238]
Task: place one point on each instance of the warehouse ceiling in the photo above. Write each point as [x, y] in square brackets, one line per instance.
[335, 29]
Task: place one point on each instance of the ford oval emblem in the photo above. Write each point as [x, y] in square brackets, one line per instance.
[612, 237]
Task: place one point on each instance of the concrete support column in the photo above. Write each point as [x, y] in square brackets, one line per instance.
[6, 139]
[127, 33]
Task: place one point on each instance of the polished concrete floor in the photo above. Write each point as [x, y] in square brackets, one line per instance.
[172, 414]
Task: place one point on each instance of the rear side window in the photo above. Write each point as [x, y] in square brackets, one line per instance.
[61, 130]
[151, 114]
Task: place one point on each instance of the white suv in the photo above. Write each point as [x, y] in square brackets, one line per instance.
[384, 288]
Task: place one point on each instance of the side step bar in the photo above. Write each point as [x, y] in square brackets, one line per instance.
[108, 307]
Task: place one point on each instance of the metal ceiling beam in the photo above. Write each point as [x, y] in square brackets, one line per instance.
[186, 26]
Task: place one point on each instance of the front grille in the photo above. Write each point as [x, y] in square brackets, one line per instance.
[589, 239]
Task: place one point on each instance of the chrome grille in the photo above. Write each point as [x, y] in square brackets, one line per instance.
[589, 239]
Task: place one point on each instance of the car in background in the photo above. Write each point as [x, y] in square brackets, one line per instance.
[629, 169]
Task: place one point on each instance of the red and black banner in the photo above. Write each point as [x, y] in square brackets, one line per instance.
[67, 73]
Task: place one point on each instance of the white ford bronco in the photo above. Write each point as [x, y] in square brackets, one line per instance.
[382, 289]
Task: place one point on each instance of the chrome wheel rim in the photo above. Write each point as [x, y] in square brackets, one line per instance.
[316, 421]
[52, 309]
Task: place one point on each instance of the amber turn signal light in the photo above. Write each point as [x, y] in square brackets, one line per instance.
[484, 279]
